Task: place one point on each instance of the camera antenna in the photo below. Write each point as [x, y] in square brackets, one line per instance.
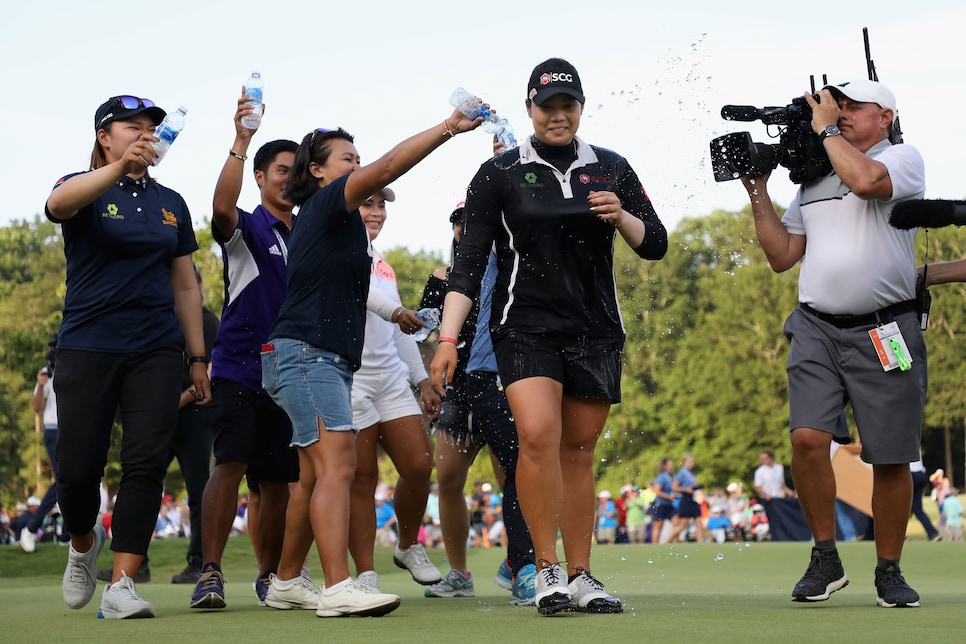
[895, 132]
[868, 56]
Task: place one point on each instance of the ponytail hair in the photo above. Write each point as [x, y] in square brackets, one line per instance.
[316, 147]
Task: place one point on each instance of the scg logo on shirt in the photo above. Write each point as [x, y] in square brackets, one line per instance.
[586, 178]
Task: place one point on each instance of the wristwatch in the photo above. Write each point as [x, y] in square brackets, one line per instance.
[830, 130]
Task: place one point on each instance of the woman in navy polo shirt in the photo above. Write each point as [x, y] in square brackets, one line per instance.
[132, 305]
[316, 344]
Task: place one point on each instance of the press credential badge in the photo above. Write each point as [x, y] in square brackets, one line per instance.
[891, 347]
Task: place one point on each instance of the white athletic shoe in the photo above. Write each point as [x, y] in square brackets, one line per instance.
[300, 594]
[415, 560]
[121, 601]
[79, 581]
[369, 580]
[353, 599]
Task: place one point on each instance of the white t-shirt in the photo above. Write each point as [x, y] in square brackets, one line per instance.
[50, 403]
[386, 346]
[855, 261]
[771, 479]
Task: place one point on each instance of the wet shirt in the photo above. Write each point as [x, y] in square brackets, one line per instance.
[119, 251]
[555, 257]
[254, 269]
[328, 276]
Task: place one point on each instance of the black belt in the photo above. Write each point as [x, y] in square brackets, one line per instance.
[847, 321]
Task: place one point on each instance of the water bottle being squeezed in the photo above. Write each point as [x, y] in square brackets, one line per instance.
[167, 131]
[430, 320]
[472, 108]
[505, 135]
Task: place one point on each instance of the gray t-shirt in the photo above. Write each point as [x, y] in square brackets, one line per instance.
[855, 261]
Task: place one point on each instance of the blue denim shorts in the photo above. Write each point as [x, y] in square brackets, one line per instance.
[309, 383]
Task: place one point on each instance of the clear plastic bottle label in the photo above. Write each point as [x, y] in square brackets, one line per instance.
[166, 134]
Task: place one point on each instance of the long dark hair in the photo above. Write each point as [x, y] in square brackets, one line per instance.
[98, 158]
[315, 147]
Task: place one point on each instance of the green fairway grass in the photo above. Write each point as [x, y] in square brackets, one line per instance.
[732, 592]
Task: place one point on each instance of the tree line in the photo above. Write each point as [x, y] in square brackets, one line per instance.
[703, 363]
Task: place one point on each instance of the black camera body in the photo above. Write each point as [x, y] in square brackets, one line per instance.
[798, 149]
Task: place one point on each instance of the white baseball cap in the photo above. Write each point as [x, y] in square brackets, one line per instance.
[866, 91]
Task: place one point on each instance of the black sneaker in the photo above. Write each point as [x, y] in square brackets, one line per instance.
[209, 590]
[190, 575]
[892, 591]
[261, 584]
[824, 576]
[143, 575]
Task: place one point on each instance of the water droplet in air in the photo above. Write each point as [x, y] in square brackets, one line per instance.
[719, 556]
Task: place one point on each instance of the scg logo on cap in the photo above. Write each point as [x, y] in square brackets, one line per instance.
[553, 77]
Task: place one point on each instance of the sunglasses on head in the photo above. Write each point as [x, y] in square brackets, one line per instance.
[128, 103]
[133, 102]
[319, 130]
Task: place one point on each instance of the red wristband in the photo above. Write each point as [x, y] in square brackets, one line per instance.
[444, 338]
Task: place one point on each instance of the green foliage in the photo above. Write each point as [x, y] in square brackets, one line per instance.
[703, 363]
[32, 287]
[412, 271]
[209, 262]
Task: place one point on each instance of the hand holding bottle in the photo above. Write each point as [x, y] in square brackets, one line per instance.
[167, 132]
[253, 98]
[472, 107]
[140, 155]
[465, 118]
[243, 110]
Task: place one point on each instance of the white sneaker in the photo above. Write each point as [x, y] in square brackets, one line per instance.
[589, 595]
[28, 540]
[299, 594]
[414, 560]
[121, 601]
[354, 599]
[79, 581]
[369, 580]
[551, 594]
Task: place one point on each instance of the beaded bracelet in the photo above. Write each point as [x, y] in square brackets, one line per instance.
[450, 132]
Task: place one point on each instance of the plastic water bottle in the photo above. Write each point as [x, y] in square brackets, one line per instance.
[430, 320]
[506, 136]
[167, 132]
[253, 92]
[472, 108]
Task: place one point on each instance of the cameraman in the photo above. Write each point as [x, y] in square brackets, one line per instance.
[859, 275]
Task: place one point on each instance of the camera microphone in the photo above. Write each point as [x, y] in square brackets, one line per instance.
[928, 213]
[740, 113]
